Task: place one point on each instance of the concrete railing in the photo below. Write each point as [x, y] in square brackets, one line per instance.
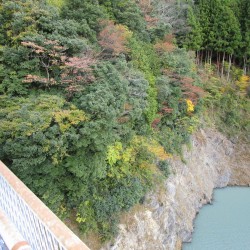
[38, 225]
[13, 240]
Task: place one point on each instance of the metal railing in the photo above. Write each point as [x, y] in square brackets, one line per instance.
[2, 244]
[39, 226]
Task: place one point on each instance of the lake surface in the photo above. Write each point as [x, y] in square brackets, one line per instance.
[225, 225]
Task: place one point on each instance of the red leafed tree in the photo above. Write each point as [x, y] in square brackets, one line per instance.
[151, 21]
[50, 55]
[114, 37]
[73, 71]
[78, 71]
[145, 6]
[81, 63]
[191, 91]
[155, 122]
[166, 45]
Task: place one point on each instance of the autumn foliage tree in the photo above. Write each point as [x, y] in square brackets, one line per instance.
[165, 45]
[147, 9]
[77, 71]
[114, 37]
[190, 91]
[60, 69]
[51, 58]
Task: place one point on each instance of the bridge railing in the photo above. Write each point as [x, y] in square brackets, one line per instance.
[39, 226]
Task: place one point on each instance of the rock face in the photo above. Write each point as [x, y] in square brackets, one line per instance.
[166, 219]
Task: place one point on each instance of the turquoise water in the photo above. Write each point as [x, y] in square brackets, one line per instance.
[225, 225]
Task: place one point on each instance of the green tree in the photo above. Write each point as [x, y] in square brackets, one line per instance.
[244, 51]
[193, 39]
[87, 14]
[127, 13]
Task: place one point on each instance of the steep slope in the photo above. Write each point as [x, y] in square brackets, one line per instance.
[166, 219]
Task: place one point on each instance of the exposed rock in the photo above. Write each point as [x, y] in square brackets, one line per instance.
[167, 219]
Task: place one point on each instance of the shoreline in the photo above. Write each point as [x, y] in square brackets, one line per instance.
[211, 204]
[166, 219]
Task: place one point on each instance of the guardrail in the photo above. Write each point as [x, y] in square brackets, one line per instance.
[10, 237]
[39, 226]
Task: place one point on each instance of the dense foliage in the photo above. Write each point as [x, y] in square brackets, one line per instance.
[219, 31]
[95, 96]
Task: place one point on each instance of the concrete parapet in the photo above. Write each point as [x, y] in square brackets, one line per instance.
[10, 235]
[38, 215]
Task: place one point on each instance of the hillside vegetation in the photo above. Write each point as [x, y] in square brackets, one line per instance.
[95, 96]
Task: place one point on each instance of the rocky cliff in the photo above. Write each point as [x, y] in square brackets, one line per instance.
[166, 218]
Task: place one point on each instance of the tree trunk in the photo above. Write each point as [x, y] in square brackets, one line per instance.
[245, 65]
[223, 61]
[229, 67]
[218, 63]
[197, 57]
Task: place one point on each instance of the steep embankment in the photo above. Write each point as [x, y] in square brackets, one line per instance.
[167, 217]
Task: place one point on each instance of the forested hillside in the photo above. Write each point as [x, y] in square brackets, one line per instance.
[96, 95]
[219, 32]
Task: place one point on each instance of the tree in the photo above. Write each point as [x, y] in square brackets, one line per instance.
[59, 68]
[51, 57]
[37, 133]
[87, 14]
[244, 50]
[167, 45]
[193, 39]
[172, 13]
[220, 30]
[127, 13]
[114, 38]
[18, 19]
